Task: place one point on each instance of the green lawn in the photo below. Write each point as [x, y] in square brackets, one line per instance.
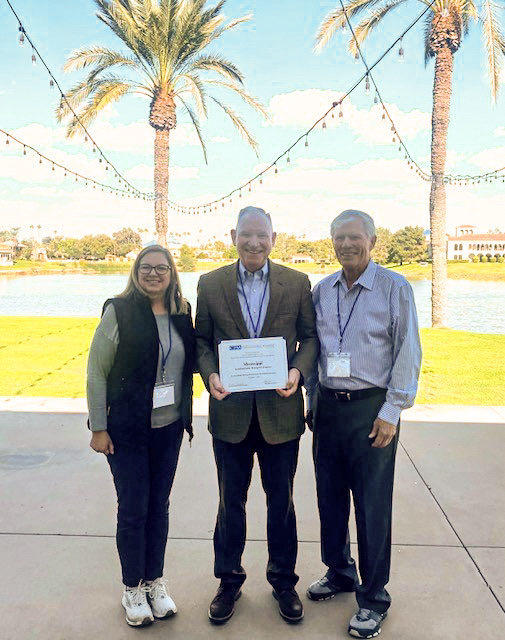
[47, 357]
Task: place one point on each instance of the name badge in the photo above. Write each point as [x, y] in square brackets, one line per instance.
[338, 365]
[163, 395]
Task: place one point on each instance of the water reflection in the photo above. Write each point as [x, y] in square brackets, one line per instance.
[473, 306]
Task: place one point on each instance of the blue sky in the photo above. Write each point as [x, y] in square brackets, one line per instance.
[349, 164]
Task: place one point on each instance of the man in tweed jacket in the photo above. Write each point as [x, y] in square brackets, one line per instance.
[255, 298]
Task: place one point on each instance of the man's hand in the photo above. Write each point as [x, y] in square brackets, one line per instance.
[101, 443]
[216, 389]
[383, 432]
[292, 384]
[309, 415]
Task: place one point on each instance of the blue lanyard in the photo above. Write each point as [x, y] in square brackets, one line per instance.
[254, 326]
[164, 357]
[340, 330]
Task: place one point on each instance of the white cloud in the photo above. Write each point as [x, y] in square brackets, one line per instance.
[302, 108]
[489, 159]
[146, 172]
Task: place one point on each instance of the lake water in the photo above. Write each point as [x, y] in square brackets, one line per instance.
[473, 306]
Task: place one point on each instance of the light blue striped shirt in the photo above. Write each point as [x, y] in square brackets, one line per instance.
[382, 336]
[254, 287]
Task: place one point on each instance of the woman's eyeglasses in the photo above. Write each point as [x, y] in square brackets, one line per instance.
[161, 269]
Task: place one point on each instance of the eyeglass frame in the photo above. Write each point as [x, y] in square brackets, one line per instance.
[156, 267]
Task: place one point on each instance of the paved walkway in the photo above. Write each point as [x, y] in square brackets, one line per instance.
[60, 572]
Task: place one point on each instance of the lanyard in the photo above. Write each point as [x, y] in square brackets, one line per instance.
[340, 329]
[164, 357]
[256, 325]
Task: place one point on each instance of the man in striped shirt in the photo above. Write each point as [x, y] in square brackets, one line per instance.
[367, 373]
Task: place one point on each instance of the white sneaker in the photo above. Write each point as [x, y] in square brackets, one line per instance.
[138, 611]
[161, 603]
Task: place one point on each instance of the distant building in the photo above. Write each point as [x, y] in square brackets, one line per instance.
[39, 253]
[468, 243]
[300, 258]
[6, 253]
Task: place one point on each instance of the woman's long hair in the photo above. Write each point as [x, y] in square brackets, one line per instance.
[174, 301]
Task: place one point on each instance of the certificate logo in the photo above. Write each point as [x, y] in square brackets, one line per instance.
[235, 347]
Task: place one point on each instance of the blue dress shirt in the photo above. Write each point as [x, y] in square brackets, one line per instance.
[382, 336]
[254, 286]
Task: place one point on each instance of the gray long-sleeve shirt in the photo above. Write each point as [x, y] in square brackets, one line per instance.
[101, 357]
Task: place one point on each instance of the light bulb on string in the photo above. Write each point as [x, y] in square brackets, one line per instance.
[34, 58]
[306, 141]
[21, 36]
[261, 180]
[323, 126]
[376, 98]
[7, 140]
[383, 115]
[51, 83]
[341, 113]
[367, 86]
[24, 150]
[276, 170]
[356, 58]
[401, 53]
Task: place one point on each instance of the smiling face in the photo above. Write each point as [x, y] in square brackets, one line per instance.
[153, 284]
[352, 247]
[254, 240]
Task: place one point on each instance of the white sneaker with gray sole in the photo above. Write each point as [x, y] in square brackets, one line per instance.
[161, 603]
[138, 611]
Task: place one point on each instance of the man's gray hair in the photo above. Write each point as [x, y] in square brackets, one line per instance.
[350, 214]
[255, 211]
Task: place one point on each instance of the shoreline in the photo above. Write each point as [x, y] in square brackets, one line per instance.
[486, 272]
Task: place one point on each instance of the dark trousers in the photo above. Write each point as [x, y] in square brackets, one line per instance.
[346, 462]
[143, 476]
[234, 467]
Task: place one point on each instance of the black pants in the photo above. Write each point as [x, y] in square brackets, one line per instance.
[143, 476]
[345, 461]
[234, 466]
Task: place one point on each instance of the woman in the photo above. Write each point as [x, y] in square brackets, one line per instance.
[139, 399]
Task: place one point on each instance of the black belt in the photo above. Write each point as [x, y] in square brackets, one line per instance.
[349, 396]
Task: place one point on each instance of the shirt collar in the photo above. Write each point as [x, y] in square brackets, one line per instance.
[366, 279]
[263, 272]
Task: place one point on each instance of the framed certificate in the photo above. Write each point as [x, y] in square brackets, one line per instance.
[253, 364]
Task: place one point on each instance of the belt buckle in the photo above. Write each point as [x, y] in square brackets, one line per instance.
[344, 396]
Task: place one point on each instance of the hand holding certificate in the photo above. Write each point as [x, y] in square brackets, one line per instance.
[253, 364]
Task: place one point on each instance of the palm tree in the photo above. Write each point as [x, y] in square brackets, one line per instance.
[166, 62]
[446, 24]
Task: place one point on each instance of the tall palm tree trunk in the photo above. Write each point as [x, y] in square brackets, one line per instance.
[161, 184]
[440, 125]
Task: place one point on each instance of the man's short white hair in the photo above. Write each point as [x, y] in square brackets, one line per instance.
[350, 214]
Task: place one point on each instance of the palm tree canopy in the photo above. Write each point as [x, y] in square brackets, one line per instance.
[446, 24]
[164, 60]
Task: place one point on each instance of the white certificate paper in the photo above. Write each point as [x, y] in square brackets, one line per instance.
[253, 364]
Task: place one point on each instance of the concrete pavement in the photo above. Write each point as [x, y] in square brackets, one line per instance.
[60, 572]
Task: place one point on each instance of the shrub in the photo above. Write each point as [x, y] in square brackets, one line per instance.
[493, 259]
[476, 259]
[501, 259]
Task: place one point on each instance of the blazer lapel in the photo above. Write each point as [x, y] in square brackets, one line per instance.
[276, 291]
[231, 296]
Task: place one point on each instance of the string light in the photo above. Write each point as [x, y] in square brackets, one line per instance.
[367, 86]
[400, 51]
[23, 35]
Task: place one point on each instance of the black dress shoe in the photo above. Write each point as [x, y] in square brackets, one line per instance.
[290, 606]
[324, 589]
[222, 607]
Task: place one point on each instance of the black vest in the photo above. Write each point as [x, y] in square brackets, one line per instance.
[131, 380]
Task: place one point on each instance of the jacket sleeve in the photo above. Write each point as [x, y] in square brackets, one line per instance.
[204, 328]
[308, 343]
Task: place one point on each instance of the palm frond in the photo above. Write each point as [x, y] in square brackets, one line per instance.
[95, 55]
[105, 92]
[336, 20]
[214, 62]
[194, 85]
[494, 44]
[427, 27]
[238, 123]
[368, 24]
[196, 124]
[246, 97]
